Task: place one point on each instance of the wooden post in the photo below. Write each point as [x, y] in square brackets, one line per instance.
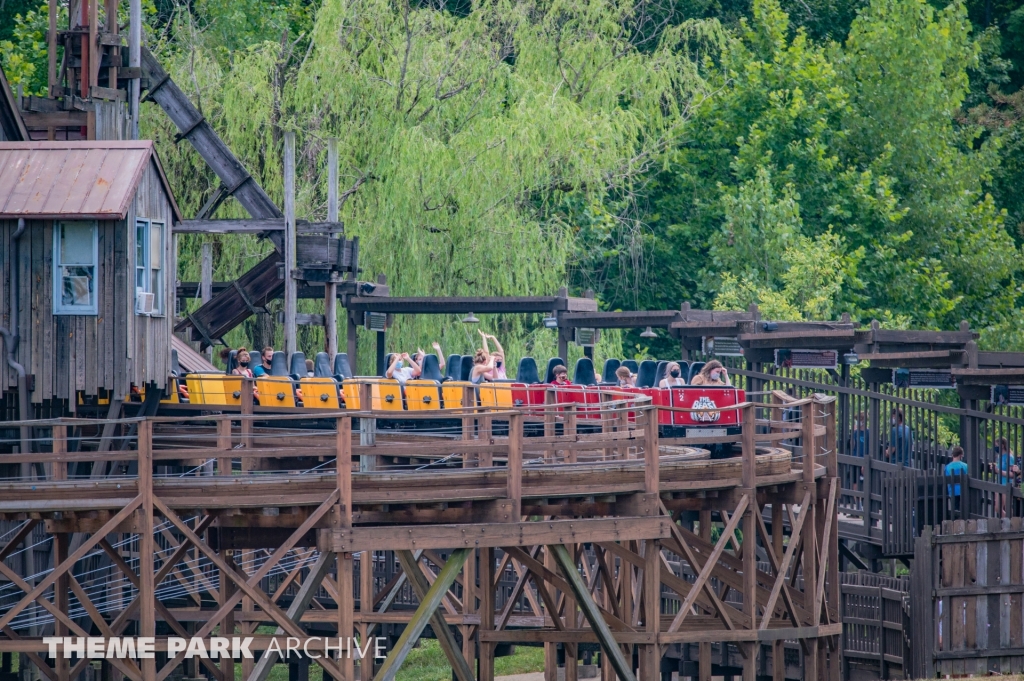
[808, 545]
[147, 548]
[227, 625]
[704, 649]
[290, 288]
[224, 445]
[778, 647]
[550, 648]
[206, 285]
[51, 49]
[352, 343]
[749, 481]
[245, 423]
[832, 467]
[61, 590]
[469, 608]
[346, 612]
[652, 460]
[515, 465]
[330, 288]
[365, 608]
[650, 655]
[367, 428]
[486, 664]
[93, 69]
[110, 9]
[135, 60]
[60, 446]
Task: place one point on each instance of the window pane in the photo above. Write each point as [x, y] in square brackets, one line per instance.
[76, 243]
[140, 244]
[157, 290]
[77, 286]
[156, 245]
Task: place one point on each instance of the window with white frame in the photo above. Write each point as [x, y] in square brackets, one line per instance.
[149, 266]
[75, 254]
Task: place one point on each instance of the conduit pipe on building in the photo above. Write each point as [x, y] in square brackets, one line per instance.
[12, 338]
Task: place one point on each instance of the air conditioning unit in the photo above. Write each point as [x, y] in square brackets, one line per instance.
[144, 302]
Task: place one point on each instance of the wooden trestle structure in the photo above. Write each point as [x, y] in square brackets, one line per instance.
[611, 537]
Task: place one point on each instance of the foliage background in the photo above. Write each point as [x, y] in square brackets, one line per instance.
[811, 156]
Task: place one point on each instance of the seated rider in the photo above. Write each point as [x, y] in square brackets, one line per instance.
[561, 375]
[498, 372]
[403, 368]
[483, 366]
[626, 377]
[713, 373]
[673, 377]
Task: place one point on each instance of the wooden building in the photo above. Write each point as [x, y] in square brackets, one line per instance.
[92, 271]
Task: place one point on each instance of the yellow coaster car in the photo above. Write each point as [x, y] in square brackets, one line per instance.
[422, 395]
[319, 393]
[452, 393]
[276, 391]
[496, 395]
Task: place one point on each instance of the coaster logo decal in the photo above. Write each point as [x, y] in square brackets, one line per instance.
[705, 402]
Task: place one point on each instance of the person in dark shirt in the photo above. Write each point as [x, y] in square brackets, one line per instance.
[901, 440]
[860, 437]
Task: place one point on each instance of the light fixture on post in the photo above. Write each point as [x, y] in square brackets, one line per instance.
[470, 319]
[550, 322]
[649, 333]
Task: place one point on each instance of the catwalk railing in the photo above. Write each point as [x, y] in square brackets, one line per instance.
[871, 450]
[222, 523]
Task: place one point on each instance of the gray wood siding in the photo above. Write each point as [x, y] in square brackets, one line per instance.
[111, 350]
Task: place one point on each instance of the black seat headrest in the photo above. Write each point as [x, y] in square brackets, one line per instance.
[175, 367]
[527, 372]
[631, 365]
[341, 366]
[430, 370]
[466, 368]
[322, 365]
[645, 374]
[660, 372]
[610, 367]
[453, 367]
[388, 359]
[232, 362]
[278, 366]
[552, 363]
[584, 373]
[298, 364]
[694, 370]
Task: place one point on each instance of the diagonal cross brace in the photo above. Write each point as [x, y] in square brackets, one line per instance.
[445, 639]
[298, 606]
[428, 607]
[592, 613]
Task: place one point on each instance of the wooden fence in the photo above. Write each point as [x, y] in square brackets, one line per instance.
[875, 625]
[913, 500]
[967, 599]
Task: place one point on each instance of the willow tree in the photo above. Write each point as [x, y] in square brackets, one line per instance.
[462, 135]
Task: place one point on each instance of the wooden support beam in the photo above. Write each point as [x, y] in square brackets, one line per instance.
[424, 614]
[592, 613]
[298, 606]
[421, 587]
[330, 288]
[290, 290]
